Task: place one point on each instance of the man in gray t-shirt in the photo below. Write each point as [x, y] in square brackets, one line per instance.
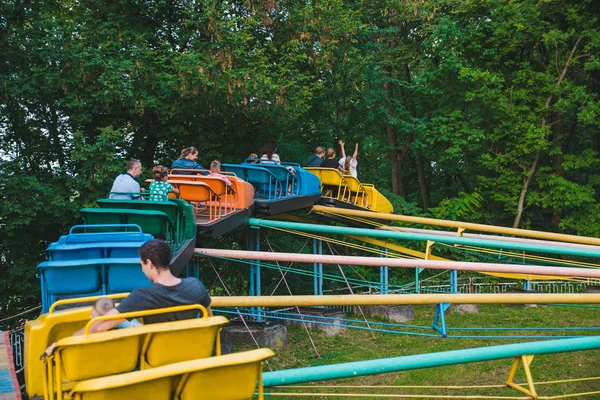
[167, 291]
[187, 291]
[127, 182]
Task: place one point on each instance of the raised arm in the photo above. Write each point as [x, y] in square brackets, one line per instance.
[342, 148]
[355, 152]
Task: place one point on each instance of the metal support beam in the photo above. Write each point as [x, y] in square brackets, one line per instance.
[439, 319]
[384, 274]
[396, 262]
[496, 244]
[317, 268]
[395, 299]
[395, 364]
[465, 225]
[254, 245]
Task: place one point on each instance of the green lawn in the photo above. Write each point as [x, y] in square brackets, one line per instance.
[354, 345]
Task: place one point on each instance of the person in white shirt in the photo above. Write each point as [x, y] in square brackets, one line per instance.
[348, 164]
[268, 154]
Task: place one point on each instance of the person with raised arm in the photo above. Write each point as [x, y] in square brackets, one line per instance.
[348, 164]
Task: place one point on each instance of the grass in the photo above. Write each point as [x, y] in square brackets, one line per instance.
[354, 345]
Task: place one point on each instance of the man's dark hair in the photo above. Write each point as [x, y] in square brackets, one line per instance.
[157, 251]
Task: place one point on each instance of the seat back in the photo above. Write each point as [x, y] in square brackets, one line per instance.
[376, 201]
[332, 179]
[233, 376]
[110, 353]
[41, 333]
[155, 223]
[97, 389]
[217, 184]
[89, 356]
[188, 171]
[90, 244]
[200, 338]
[193, 190]
[237, 169]
[215, 383]
[76, 278]
[124, 277]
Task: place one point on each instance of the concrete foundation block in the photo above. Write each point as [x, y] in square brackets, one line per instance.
[400, 313]
[465, 308]
[592, 289]
[267, 334]
[333, 325]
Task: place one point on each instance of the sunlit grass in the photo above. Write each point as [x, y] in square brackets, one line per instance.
[355, 345]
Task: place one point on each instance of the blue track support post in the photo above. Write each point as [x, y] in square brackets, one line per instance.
[254, 245]
[439, 320]
[320, 269]
[454, 281]
[317, 268]
[383, 274]
[417, 283]
[527, 284]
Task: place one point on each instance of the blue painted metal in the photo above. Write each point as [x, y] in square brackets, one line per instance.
[584, 252]
[78, 278]
[439, 319]
[453, 281]
[317, 268]
[394, 364]
[383, 274]
[254, 245]
[527, 284]
[92, 244]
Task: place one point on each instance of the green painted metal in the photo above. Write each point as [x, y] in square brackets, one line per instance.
[497, 244]
[394, 364]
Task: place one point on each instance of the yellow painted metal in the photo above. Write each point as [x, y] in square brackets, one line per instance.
[566, 396]
[349, 189]
[145, 313]
[83, 300]
[41, 333]
[526, 362]
[332, 179]
[397, 248]
[430, 244]
[405, 250]
[233, 376]
[466, 225]
[377, 202]
[84, 357]
[391, 299]
[45, 330]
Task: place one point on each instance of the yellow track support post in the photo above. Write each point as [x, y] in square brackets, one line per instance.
[526, 361]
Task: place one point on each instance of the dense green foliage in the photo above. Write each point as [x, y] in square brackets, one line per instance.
[476, 110]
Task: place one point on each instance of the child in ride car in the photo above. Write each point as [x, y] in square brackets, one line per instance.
[104, 305]
[160, 188]
[215, 170]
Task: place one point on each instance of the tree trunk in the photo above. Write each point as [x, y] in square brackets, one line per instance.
[395, 159]
[558, 158]
[53, 129]
[422, 181]
[529, 177]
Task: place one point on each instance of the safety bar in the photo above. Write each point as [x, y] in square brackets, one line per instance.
[135, 314]
[104, 226]
[85, 300]
[196, 171]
